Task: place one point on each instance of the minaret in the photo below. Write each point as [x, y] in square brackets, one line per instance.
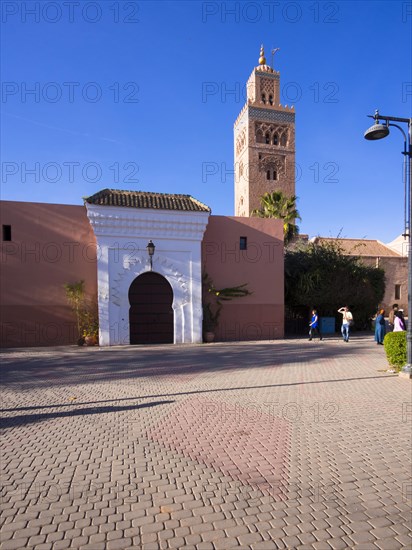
[264, 141]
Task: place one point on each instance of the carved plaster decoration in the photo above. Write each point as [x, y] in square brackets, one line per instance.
[264, 128]
[271, 161]
[103, 296]
[267, 86]
[131, 262]
[250, 89]
[177, 236]
[132, 221]
[180, 278]
[241, 141]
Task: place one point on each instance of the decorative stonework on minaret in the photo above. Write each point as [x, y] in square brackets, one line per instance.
[264, 141]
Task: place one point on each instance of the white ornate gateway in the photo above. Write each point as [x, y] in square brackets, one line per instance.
[124, 222]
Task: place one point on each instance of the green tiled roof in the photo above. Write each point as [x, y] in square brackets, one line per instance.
[142, 199]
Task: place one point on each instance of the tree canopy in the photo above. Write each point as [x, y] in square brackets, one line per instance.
[320, 275]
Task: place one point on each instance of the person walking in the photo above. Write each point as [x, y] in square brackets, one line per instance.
[399, 322]
[314, 326]
[347, 320]
[380, 327]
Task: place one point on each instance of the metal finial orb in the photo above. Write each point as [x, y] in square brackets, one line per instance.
[262, 58]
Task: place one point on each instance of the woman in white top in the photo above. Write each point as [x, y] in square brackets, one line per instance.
[399, 322]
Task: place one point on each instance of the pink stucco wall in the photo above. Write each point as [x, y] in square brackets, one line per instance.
[54, 244]
[260, 315]
[51, 245]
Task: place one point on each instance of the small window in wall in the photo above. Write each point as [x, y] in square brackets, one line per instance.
[263, 98]
[271, 99]
[397, 292]
[275, 175]
[6, 232]
[268, 174]
[243, 243]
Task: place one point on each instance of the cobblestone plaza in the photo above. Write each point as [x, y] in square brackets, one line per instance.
[284, 444]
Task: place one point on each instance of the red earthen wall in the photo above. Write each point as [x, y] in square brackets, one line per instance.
[51, 245]
[259, 316]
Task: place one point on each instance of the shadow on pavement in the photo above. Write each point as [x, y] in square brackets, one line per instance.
[13, 421]
[194, 392]
[71, 366]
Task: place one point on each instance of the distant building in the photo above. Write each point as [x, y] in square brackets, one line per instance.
[400, 245]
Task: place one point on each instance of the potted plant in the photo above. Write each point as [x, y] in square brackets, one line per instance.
[86, 313]
[210, 321]
[90, 329]
[212, 303]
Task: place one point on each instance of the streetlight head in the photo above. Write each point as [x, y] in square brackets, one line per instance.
[377, 131]
[150, 248]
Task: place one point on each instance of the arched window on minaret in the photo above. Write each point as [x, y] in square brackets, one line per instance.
[271, 99]
[275, 175]
[263, 98]
[268, 175]
[283, 140]
[267, 138]
[275, 139]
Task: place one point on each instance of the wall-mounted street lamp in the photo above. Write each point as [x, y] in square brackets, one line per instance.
[379, 131]
[150, 250]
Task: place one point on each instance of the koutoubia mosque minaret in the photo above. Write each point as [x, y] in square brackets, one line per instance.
[264, 141]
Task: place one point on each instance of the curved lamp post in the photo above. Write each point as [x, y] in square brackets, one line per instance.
[379, 131]
[150, 250]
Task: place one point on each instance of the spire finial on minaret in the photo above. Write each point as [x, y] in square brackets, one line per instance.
[262, 58]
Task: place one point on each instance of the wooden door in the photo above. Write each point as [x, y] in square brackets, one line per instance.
[151, 313]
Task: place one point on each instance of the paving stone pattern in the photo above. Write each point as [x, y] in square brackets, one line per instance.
[286, 444]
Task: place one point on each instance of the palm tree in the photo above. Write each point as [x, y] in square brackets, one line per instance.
[279, 206]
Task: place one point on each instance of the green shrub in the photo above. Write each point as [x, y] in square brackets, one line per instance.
[395, 348]
[322, 275]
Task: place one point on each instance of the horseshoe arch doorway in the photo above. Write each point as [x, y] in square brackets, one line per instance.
[151, 313]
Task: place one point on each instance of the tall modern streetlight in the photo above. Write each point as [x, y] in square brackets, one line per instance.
[378, 131]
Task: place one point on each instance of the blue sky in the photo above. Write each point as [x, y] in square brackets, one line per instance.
[143, 95]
